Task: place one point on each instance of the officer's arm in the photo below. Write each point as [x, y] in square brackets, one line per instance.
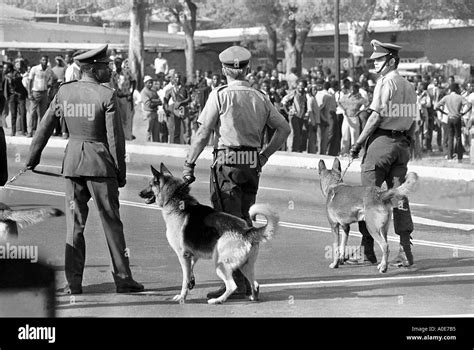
[116, 138]
[282, 130]
[382, 94]
[372, 124]
[208, 119]
[44, 132]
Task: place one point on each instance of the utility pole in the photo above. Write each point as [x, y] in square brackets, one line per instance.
[336, 41]
[57, 12]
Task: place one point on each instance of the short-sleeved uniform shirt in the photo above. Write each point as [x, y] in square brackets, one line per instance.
[238, 114]
[395, 100]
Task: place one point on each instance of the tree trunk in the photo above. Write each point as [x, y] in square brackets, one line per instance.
[137, 43]
[271, 45]
[189, 27]
[189, 52]
[299, 46]
[290, 45]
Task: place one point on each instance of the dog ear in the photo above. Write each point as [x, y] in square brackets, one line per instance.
[336, 165]
[164, 170]
[155, 172]
[322, 166]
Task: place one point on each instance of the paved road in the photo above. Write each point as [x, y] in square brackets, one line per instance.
[292, 268]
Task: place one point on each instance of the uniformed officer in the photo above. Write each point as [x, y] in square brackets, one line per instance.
[387, 136]
[93, 165]
[237, 114]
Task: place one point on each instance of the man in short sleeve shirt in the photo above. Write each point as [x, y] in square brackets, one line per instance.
[237, 114]
[386, 137]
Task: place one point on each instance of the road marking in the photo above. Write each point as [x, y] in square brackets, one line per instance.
[282, 223]
[202, 182]
[286, 190]
[360, 280]
[446, 316]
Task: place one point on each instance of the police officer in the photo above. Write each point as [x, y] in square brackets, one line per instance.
[386, 137]
[93, 165]
[237, 114]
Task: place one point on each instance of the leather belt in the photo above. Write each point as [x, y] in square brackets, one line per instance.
[391, 133]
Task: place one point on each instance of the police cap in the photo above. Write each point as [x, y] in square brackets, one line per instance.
[383, 49]
[98, 55]
[235, 57]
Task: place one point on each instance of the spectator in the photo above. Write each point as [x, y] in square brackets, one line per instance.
[40, 80]
[161, 67]
[175, 103]
[292, 78]
[15, 95]
[327, 104]
[59, 71]
[124, 84]
[351, 104]
[151, 101]
[296, 103]
[454, 107]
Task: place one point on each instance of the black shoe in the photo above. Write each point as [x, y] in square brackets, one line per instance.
[29, 134]
[70, 290]
[131, 287]
[127, 285]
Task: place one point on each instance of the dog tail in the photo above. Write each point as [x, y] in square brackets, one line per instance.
[29, 216]
[403, 190]
[266, 232]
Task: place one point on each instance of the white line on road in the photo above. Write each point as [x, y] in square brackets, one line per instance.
[360, 280]
[282, 223]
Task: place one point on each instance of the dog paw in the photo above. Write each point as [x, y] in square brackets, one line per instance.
[214, 301]
[191, 283]
[179, 298]
[334, 265]
[382, 268]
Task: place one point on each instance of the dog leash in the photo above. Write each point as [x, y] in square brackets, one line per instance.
[347, 167]
[17, 175]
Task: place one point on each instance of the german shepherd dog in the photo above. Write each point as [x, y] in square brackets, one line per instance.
[197, 231]
[10, 219]
[347, 204]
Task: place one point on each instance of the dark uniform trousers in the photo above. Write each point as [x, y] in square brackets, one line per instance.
[105, 192]
[386, 160]
[238, 184]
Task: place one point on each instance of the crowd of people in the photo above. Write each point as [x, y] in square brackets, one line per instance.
[325, 118]
[324, 115]
[27, 90]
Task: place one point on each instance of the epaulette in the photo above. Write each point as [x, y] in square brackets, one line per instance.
[68, 82]
[222, 87]
[107, 86]
[219, 89]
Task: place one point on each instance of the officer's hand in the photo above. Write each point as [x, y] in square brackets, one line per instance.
[355, 150]
[188, 173]
[32, 164]
[122, 183]
[262, 160]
